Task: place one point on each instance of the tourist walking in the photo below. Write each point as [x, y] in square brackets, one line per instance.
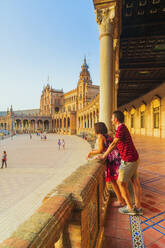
[4, 159]
[128, 167]
[63, 144]
[59, 144]
[113, 159]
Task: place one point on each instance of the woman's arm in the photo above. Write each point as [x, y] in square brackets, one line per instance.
[100, 147]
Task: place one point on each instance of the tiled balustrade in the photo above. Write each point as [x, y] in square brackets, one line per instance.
[71, 216]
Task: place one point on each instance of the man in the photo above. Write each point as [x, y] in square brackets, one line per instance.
[129, 164]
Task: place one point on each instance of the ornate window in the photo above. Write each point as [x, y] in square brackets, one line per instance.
[128, 12]
[129, 4]
[142, 115]
[156, 114]
[155, 1]
[155, 104]
[132, 120]
[132, 116]
[153, 11]
[140, 12]
[142, 119]
[142, 2]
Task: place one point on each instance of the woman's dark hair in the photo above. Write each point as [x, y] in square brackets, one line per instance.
[100, 128]
[119, 115]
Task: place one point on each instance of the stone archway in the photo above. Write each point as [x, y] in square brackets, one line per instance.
[68, 122]
[40, 125]
[46, 125]
[85, 125]
[18, 124]
[25, 125]
[64, 122]
[32, 125]
[57, 123]
[91, 121]
[60, 123]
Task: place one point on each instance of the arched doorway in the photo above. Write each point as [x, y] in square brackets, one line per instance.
[39, 125]
[32, 125]
[46, 125]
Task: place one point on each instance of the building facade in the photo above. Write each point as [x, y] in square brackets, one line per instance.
[132, 77]
[64, 113]
[76, 111]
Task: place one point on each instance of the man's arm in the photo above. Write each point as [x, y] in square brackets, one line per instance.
[110, 148]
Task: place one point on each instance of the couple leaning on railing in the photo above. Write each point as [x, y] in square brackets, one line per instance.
[122, 163]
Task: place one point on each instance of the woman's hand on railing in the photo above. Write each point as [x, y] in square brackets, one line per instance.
[101, 157]
[88, 156]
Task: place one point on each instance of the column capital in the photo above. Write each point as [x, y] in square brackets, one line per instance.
[105, 18]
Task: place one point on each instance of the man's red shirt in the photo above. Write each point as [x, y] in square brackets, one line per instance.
[125, 144]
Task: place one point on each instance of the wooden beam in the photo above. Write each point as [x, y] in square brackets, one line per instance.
[133, 91]
[102, 3]
[141, 81]
[143, 69]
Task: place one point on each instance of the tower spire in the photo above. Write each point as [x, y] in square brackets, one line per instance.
[85, 60]
[85, 63]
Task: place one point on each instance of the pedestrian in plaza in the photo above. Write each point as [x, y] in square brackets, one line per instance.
[30, 136]
[4, 159]
[59, 144]
[63, 144]
[128, 167]
[113, 159]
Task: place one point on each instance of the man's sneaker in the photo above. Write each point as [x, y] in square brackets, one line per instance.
[126, 210]
[139, 211]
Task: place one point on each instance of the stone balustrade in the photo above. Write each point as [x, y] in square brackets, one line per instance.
[71, 215]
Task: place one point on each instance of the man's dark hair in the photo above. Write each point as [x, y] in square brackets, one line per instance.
[100, 128]
[119, 116]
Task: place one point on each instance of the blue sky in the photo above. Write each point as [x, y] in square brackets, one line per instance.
[40, 38]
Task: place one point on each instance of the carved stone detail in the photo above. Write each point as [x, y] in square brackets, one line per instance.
[105, 19]
[115, 43]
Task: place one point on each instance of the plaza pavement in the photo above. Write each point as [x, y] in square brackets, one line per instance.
[35, 167]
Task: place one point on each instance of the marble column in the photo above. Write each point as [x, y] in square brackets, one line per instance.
[105, 19]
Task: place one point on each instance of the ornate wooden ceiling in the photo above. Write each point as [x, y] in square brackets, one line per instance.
[142, 48]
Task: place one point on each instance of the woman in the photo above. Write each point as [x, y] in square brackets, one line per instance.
[113, 160]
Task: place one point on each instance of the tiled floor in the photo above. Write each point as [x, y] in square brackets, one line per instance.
[118, 228]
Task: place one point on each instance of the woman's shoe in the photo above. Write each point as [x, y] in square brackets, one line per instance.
[126, 210]
[139, 211]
